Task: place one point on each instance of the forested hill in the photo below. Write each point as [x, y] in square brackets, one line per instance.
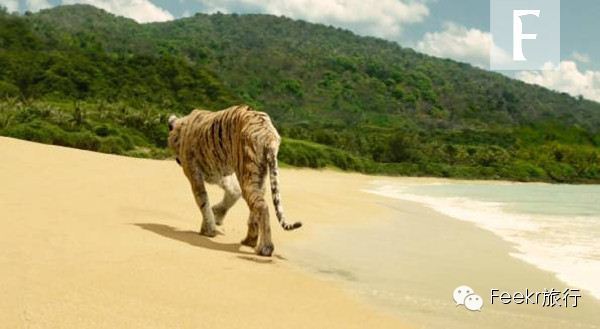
[78, 76]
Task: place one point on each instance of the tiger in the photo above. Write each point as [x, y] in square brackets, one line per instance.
[233, 148]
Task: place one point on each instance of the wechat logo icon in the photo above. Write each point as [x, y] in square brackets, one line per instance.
[464, 295]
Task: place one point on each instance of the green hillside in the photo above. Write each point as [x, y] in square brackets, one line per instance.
[78, 76]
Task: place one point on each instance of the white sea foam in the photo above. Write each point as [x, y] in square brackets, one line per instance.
[566, 246]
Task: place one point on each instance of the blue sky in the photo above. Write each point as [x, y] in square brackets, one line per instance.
[457, 29]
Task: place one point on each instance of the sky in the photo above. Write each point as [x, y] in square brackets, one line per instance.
[457, 29]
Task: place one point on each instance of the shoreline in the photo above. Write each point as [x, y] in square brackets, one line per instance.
[525, 231]
[430, 254]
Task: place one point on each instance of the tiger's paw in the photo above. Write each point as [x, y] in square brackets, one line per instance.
[265, 250]
[208, 231]
[250, 241]
[219, 214]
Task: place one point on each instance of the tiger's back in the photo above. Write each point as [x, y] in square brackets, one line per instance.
[222, 143]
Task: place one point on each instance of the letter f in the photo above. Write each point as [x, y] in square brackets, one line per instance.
[518, 35]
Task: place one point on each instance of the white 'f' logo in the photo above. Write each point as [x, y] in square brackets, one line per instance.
[518, 35]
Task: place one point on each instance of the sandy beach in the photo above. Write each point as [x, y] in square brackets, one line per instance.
[92, 240]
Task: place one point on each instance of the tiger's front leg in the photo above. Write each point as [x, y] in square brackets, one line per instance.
[201, 196]
[232, 193]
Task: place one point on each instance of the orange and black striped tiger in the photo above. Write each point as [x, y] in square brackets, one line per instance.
[213, 146]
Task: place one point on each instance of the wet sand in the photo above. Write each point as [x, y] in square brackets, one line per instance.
[411, 258]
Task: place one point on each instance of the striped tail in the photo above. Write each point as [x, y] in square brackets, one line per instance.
[273, 177]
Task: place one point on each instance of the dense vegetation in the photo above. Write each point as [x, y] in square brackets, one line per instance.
[78, 76]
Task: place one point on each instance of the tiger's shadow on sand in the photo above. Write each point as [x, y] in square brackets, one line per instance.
[197, 240]
[191, 238]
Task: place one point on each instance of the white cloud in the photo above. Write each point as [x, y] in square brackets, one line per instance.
[11, 5]
[37, 5]
[462, 44]
[473, 46]
[459, 43]
[382, 18]
[580, 57]
[142, 11]
[568, 78]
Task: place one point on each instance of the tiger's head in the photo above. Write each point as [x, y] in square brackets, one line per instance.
[174, 136]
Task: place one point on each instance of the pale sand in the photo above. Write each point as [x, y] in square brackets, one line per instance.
[90, 240]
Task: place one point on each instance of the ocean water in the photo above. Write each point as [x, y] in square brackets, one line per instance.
[553, 227]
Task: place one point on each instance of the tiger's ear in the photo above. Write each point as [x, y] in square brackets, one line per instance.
[172, 120]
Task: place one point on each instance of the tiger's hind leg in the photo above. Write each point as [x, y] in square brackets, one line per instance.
[232, 193]
[252, 236]
[258, 223]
